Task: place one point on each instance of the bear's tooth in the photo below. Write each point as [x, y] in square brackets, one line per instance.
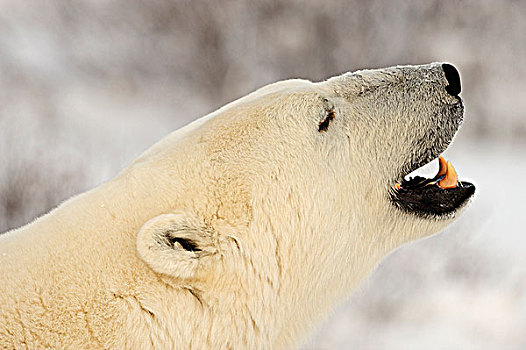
[442, 169]
[451, 179]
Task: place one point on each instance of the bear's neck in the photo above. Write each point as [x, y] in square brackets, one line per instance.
[110, 285]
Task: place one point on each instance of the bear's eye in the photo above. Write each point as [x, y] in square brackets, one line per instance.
[324, 124]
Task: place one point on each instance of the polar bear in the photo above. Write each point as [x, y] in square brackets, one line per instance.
[242, 229]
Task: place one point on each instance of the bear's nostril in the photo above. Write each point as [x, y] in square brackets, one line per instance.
[453, 78]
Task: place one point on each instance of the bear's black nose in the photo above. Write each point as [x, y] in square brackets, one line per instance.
[453, 78]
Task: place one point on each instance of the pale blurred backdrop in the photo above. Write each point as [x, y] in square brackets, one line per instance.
[86, 86]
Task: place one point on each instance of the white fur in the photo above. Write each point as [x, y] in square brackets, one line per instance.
[283, 221]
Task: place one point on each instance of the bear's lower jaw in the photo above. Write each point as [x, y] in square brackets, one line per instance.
[438, 197]
[433, 201]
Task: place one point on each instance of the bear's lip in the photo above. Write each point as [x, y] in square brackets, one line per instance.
[439, 196]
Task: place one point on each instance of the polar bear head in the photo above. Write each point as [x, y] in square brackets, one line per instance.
[282, 201]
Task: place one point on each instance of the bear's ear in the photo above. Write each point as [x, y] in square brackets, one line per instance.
[177, 244]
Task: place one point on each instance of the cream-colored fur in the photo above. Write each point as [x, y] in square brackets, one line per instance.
[240, 230]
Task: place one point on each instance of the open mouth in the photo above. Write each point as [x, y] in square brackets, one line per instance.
[442, 195]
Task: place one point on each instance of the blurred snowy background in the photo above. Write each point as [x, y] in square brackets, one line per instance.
[86, 86]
